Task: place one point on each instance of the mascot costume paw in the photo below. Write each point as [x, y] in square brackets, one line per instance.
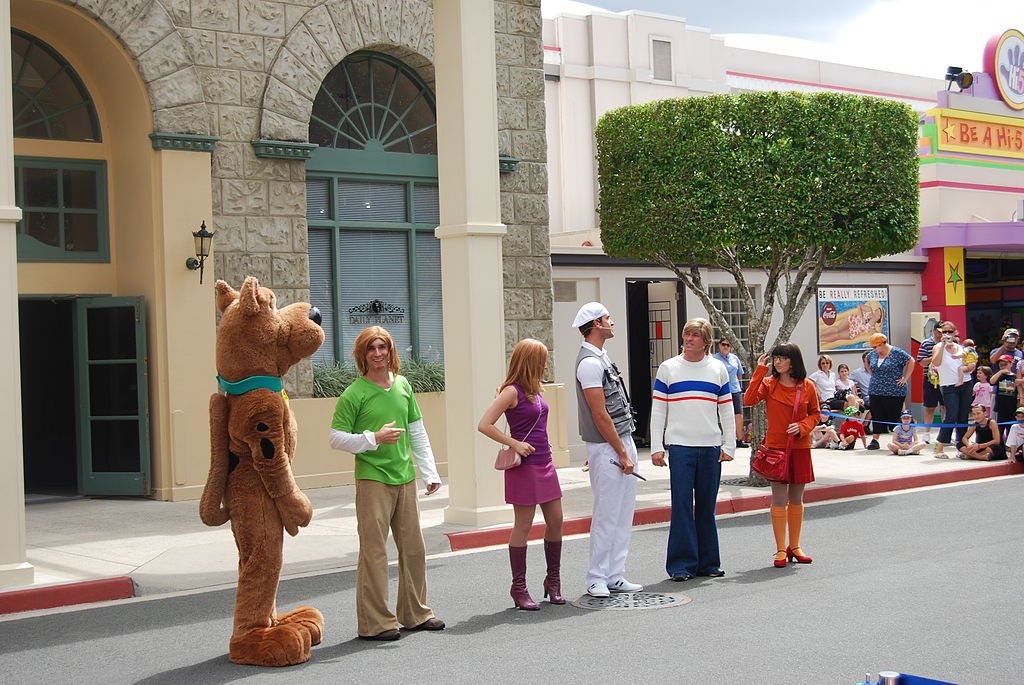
[252, 438]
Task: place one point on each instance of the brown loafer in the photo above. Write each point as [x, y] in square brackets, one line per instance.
[386, 636]
[430, 624]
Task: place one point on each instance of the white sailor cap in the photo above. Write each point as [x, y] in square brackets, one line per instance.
[591, 311]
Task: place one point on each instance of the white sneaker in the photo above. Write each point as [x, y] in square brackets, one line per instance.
[941, 455]
[598, 589]
[902, 453]
[623, 585]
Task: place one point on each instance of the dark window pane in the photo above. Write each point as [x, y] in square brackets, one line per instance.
[80, 189]
[31, 123]
[421, 117]
[320, 134]
[79, 123]
[359, 81]
[113, 390]
[405, 94]
[44, 227]
[115, 446]
[383, 76]
[112, 333]
[81, 233]
[425, 143]
[41, 188]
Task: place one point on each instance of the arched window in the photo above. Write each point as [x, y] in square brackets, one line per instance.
[63, 200]
[372, 102]
[50, 100]
[372, 207]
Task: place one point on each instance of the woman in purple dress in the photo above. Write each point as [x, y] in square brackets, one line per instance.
[535, 480]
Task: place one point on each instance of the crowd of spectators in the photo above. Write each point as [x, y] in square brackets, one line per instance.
[976, 409]
[964, 399]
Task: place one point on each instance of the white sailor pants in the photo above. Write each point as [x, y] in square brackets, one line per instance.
[612, 522]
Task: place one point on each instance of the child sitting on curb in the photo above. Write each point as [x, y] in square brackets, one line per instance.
[1015, 437]
[986, 445]
[852, 428]
[824, 435]
[904, 437]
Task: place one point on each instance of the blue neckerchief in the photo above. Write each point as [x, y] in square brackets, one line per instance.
[243, 386]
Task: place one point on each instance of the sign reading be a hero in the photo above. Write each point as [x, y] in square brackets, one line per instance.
[849, 316]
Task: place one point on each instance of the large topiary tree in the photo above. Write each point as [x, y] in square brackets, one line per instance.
[786, 184]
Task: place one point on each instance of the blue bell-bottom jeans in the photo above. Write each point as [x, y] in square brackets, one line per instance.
[695, 474]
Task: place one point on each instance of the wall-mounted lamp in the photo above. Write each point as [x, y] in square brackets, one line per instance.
[204, 243]
[962, 79]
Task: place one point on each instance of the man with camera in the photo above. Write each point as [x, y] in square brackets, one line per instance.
[1011, 338]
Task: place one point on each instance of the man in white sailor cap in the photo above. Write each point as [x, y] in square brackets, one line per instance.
[606, 426]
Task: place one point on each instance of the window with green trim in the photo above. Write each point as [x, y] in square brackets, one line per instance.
[50, 101]
[64, 210]
[374, 260]
[372, 207]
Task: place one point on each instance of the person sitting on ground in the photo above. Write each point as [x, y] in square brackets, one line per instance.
[986, 445]
[1015, 437]
[852, 428]
[846, 388]
[970, 357]
[983, 391]
[904, 437]
[824, 435]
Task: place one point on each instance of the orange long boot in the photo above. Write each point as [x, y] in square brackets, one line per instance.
[779, 529]
[796, 522]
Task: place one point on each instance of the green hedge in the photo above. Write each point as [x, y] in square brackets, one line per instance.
[330, 380]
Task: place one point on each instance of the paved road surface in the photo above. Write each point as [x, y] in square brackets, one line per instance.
[926, 582]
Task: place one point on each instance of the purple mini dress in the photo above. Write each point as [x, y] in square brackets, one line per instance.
[535, 481]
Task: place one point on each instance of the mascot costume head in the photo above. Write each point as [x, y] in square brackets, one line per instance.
[252, 440]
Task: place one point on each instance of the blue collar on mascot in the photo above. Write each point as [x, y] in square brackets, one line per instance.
[272, 383]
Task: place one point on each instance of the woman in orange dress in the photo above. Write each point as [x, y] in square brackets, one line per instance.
[778, 391]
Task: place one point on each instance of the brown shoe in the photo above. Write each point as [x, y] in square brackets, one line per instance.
[386, 636]
[430, 624]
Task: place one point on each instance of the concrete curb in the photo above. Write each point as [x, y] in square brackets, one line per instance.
[490, 537]
[66, 594]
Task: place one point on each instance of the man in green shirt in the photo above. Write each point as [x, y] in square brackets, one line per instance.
[377, 419]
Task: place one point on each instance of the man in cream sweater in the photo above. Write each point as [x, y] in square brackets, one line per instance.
[691, 415]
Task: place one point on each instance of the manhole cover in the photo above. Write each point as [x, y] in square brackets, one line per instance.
[632, 600]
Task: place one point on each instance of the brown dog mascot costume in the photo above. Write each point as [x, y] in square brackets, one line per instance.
[252, 437]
